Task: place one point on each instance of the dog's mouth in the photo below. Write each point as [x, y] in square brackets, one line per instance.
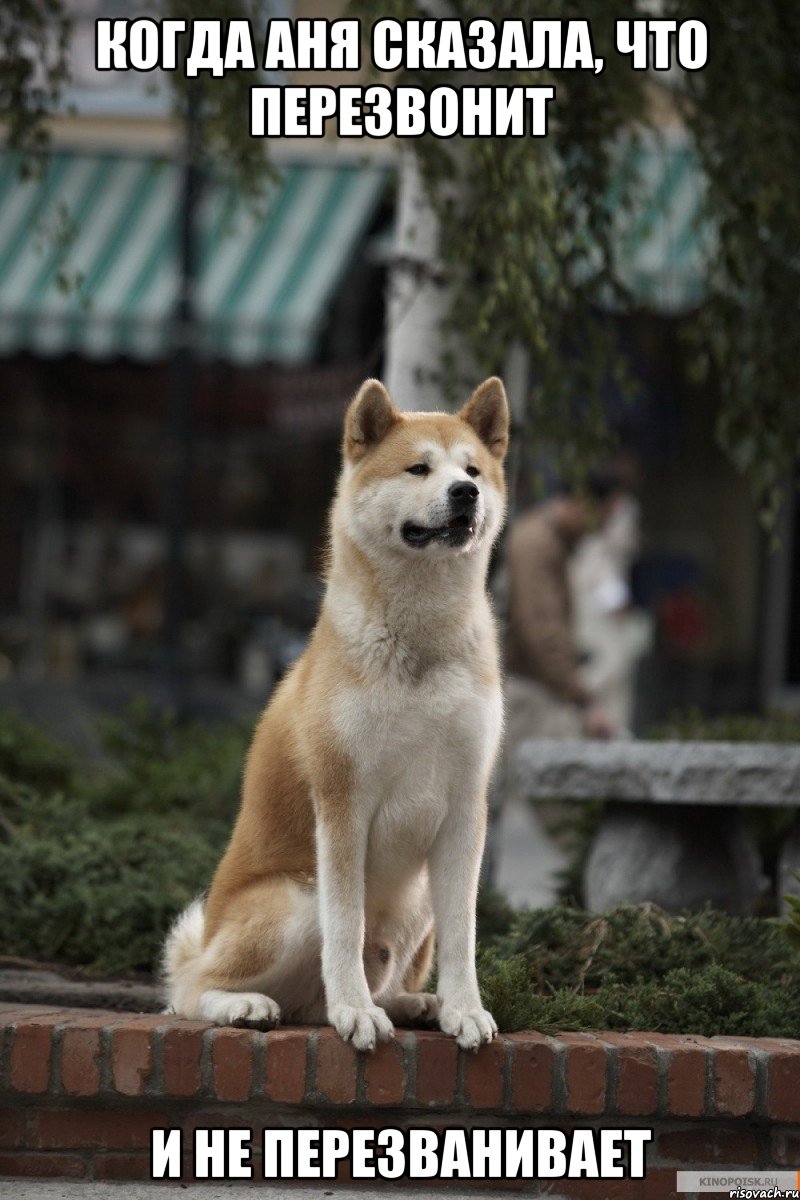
[456, 532]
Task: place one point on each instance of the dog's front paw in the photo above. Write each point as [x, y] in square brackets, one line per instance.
[361, 1026]
[413, 1006]
[469, 1026]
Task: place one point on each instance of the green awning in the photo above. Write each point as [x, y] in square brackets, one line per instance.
[89, 253]
[663, 245]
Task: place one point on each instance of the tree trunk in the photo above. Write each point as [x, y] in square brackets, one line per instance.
[418, 299]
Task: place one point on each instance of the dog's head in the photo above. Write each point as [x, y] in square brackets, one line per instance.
[427, 484]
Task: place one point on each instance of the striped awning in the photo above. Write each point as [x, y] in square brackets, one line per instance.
[663, 245]
[89, 257]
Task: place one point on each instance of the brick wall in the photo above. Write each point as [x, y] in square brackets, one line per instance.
[80, 1091]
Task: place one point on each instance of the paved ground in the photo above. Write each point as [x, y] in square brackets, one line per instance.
[527, 858]
[57, 1189]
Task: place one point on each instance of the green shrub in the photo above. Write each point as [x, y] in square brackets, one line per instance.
[567, 947]
[100, 894]
[637, 968]
[792, 923]
[691, 725]
[95, 863]
[30, 756]
[710, 1002]
[96, 860]
[160, 765]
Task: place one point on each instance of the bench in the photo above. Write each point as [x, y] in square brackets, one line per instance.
[672, 831]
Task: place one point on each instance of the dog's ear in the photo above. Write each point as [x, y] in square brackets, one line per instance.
[487, 412]
[369, 418]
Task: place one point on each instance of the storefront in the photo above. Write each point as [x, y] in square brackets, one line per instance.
[288, 311]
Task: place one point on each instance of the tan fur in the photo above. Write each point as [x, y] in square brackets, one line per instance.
[417, 974]
[304, 771]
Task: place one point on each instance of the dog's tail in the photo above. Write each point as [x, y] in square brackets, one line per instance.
[180, 959]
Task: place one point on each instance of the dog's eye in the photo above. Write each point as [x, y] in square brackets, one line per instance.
[472, 471]
[419, 469]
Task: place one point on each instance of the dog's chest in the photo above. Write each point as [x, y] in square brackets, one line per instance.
[392, 731]
[415, 751]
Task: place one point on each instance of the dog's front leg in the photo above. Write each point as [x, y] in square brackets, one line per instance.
[454, 866]
[341, 857]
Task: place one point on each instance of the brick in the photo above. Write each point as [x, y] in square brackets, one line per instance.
[385, 1073]
[31, 1054]
[437, 1063]
[585, 1074]
[89, 1018]
[532, 1064]
[784, 1085]
[734, 1083]
[772, 1045]
[232, 1063]
[121, 1166]
[79, 1129]
[182, 1049]
[659, 1184]
[285, 1077]
[687, 1070]
[785, 1147]
[11, 1013]
[743, 1043]
[484, 1082]
[213, 1116]
[637, 1081]
[710, 1146]
[337, 1068]
[42, 1166]
[131, 1059]
[637, 1074]
[80, 1061]
[12, 1128]
[596, 1189]
[78, 1018]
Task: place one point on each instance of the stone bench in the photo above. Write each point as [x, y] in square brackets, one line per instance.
[672, 832]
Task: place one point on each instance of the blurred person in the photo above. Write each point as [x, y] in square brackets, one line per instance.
[547, 695]
[611, 634]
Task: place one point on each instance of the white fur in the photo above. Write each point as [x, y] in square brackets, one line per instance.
[423, 747]
[184, 943]
[238, 1008]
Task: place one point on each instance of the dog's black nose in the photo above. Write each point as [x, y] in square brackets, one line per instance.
[462, 494]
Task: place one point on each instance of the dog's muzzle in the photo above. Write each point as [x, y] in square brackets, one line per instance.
[462, 499]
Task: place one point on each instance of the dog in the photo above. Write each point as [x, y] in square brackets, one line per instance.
[363, 812]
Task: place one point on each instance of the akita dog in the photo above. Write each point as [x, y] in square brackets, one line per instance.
[363, 814]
